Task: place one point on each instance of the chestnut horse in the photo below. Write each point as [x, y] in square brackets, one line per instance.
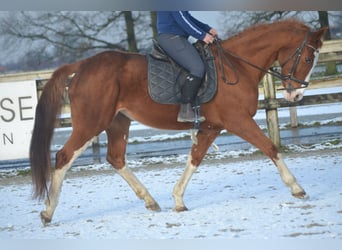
[109, 89]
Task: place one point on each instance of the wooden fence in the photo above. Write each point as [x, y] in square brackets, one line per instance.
[330, 52]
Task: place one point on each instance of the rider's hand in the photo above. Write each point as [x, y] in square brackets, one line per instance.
[208, 38]
[213, 32]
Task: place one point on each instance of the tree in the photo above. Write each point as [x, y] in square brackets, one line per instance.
[238, 20]
[65, 36]
[335, 24]
[154, 24]
[323, 17]
[316, 19]
[132, 43]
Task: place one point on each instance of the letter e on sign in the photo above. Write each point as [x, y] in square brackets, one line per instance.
[18, 102]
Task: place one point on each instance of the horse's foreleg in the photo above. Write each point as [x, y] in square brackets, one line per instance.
[117, 140]
[288, 178]
[250, 131]
[63, 163]
[204, 140]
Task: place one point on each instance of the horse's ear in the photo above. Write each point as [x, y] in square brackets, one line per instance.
[319, 34]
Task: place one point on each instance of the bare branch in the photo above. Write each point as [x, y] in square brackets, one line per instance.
[71, 35]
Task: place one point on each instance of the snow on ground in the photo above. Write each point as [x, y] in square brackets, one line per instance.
[230, 198]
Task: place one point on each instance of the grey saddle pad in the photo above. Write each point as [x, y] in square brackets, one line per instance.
[165, 77]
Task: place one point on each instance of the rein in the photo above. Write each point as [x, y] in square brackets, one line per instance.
[290, 76]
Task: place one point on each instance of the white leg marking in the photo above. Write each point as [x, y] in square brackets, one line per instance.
[288, 177]
[56, 185]
[138, 188]
[179, 189]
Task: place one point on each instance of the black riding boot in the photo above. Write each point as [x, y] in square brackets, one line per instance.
[188, 100]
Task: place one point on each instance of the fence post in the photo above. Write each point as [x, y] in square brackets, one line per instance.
[271, 110]
[293, 117]
[96, 150]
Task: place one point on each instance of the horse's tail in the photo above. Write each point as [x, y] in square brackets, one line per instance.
[48, 107]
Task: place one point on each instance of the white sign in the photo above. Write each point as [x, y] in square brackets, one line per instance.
[18, 102]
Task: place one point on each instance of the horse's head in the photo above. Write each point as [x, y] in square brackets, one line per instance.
[297, 62]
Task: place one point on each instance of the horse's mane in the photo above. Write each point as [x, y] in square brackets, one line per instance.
[288, 25]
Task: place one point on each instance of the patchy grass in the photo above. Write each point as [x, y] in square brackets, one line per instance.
[24, 172]
[333, 122]
[314, 124]
[258, 152]
[303, 147]
[333, 142]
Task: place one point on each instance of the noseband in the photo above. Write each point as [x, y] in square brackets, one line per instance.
[283, 77]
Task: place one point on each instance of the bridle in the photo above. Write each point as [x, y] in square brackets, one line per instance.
[222, 53]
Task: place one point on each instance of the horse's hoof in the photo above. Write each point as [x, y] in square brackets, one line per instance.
[154, 207]
[301, 195]
[45, 218]
[180, 209]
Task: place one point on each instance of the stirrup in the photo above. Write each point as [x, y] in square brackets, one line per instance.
[187, 113]
[198, 117]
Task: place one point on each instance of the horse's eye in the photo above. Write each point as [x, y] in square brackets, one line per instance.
[308, 60]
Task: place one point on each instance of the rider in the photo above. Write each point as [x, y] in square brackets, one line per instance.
[174, 29]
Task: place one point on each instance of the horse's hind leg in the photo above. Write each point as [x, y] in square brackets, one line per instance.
[64, 159]
[117, 139]
[138, 188]
[250, 131]
[204, 140]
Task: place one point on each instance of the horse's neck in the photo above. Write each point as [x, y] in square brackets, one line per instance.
[260, 46]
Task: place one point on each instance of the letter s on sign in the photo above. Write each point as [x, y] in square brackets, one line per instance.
[11, 114]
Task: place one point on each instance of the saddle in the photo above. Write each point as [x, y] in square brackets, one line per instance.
[166, 77]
